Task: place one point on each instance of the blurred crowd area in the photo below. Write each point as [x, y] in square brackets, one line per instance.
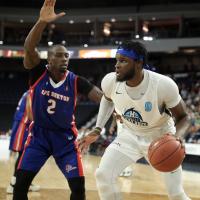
[190, 92]
[108, 32]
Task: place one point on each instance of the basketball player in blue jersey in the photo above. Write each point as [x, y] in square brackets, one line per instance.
[19, 134]
[148, 103]
[53, 93]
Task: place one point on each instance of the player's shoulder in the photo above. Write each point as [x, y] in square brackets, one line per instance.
[108, 82]
[110, 77]
[160, 77]
[164, 83]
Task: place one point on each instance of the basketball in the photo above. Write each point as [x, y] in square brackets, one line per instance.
[166, 153]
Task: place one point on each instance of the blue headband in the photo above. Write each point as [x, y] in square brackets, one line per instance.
[131, 54]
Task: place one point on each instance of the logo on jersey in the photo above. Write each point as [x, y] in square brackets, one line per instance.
[55, 95]
[134, 117]
[70, 137]
[69, 168]
[148, 106]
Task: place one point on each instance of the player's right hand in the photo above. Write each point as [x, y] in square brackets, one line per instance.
[84, 142]
[47, 13]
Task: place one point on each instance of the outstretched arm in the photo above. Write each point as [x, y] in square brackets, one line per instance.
[47, 14]
[105, 111]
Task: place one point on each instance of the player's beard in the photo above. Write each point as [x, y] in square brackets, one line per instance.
[130, 74]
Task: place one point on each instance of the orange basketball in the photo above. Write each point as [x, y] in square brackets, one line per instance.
[166, 153]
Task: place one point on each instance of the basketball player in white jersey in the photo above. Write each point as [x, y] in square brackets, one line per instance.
[147, 103]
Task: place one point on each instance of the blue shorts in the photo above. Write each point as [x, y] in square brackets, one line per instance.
[43, 143]
[19, 135]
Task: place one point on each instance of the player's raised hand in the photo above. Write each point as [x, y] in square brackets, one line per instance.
[47, 13]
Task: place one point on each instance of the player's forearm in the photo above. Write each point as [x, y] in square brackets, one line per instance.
[105, 111]
[34, 36]
[183, 126]
[95, 94]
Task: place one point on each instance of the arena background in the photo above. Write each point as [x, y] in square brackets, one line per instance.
[92, 30]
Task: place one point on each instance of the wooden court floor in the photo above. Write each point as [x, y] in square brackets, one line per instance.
[145, 184]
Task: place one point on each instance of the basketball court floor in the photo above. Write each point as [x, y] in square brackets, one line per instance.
[145, 184]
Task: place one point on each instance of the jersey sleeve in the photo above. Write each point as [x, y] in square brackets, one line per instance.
[108, 83]
[168, 92]
[83, 85]
[36, 72]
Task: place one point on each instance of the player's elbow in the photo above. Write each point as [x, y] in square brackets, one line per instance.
[31, 59]
[186, 119]
[95, 94]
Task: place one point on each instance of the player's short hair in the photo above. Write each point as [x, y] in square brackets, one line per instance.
[137, 47]
[52, 48]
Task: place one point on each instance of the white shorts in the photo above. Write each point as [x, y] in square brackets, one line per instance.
[132, 145]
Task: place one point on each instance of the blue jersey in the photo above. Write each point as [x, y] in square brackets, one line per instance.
[53, 104]
[20, 126]
[21, 107]
[53, 131]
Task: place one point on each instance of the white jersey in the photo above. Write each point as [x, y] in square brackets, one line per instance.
[147, 115]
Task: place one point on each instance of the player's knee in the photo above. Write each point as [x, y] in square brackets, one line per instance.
[102, 180]
[102, 175]
[99, 174]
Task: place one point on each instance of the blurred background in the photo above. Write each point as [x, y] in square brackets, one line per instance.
[92, 31]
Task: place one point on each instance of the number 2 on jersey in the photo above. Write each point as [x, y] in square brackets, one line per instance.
[51, 106]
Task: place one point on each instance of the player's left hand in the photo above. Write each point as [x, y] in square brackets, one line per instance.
[84, 142]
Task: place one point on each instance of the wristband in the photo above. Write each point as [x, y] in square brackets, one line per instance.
[97, 129]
